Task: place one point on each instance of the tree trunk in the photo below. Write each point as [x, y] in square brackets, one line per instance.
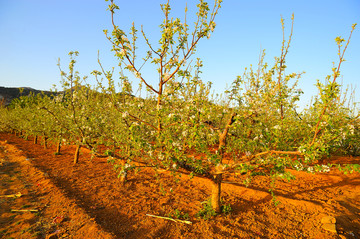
[123, 178]
[45, 142]
[224, 134]
[217, 177]
[35, 139]
[58, 147]
[77, 152]
[216, 193]
[159, 127]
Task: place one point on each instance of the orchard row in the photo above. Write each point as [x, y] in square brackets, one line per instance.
[255, 127]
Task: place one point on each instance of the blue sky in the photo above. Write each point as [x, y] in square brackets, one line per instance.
[34, 34]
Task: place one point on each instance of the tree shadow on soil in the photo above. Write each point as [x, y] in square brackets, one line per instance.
[109, 218]
[292, 195]
[349, 223]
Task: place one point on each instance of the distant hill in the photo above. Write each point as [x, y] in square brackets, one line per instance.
[7, 94]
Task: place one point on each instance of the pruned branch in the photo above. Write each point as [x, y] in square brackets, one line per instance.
[171, 219]
[24, 210]
[17, 195]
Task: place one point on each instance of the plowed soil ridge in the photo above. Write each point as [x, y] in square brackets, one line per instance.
[110, 209]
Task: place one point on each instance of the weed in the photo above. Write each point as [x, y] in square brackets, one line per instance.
[226, 209]
[274, 199]
[178, 215]
[38, 214]
[3, 231]
[109, 152]
[37, 234]
[207, 211]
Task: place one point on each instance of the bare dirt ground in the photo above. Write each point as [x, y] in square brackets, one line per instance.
[87, 201]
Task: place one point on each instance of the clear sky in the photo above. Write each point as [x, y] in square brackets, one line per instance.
[34, 34]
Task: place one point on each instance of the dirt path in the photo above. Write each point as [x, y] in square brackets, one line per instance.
[90, 203]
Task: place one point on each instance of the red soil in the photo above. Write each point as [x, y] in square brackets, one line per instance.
[87, 201]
